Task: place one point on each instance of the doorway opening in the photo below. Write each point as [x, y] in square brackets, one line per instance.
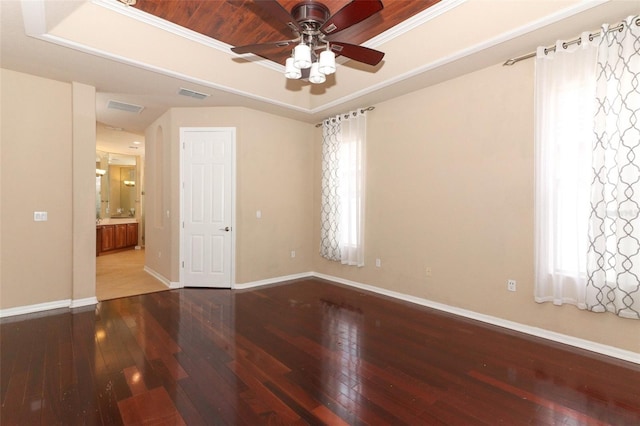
[120, 215]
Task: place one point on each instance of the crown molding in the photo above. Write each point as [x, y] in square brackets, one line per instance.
[415, 21]
[139, 15]
[487, 44]
[183, 32]
[35, 26]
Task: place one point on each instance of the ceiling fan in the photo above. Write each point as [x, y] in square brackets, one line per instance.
[316, 30]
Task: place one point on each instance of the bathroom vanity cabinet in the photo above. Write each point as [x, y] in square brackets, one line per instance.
[116, 237]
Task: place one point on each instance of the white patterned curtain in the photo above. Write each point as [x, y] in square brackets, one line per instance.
[565, 88]
[343, 188]
[330, 208]
[587, 212]
[613, 261]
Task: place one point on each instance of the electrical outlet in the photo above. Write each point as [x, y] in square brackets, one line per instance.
[427, 271]
[293, 254]
[511, 285]
[378, 263]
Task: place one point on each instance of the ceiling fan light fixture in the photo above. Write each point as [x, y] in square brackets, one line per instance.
[315, 76]
[311, 23]
[302, 56]
[291, 71]
[327, 62]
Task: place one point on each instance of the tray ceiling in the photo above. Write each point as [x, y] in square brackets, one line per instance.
[239, 23]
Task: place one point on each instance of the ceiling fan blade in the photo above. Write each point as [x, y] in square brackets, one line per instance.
[357, 53]
[351, 14]
[276, 10]
[262, 47]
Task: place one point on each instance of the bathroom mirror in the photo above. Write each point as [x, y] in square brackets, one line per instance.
[116, 185]
[127, 191]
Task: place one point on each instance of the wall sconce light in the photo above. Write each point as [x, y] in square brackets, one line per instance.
[100, 172]
[129, 183]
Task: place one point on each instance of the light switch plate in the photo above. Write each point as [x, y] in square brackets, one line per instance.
[39, 216]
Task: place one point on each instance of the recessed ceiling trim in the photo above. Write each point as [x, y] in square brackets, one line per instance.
[396, 31]
[145, 66]
[415, 21]
[191, 35]
[535, 25]
[32, 17]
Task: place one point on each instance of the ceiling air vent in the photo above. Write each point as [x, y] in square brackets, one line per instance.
[122, 106]
[192, 93]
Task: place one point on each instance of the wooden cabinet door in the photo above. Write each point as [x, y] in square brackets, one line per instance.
[107, 238]
[121, 235]
[132, 234]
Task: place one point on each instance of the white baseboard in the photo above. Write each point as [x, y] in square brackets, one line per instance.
[275, 280]
[77, 303]
[161, 278]
[600, 348]
[40, 307]
[527, 329]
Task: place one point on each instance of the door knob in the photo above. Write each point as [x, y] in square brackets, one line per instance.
[226, 229]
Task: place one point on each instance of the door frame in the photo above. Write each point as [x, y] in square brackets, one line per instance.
[233, 131]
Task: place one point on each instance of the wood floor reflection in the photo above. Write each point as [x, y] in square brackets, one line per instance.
[304, 352]
[122, 274]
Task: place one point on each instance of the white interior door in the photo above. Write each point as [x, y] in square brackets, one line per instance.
[207, 206]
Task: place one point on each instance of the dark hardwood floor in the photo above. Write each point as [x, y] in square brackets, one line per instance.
[306, 352]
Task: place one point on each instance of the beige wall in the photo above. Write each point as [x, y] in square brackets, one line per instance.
[157, 194]
[450, 187]
[47, 164]
[84, 193]
[36, 168]
[274, 174]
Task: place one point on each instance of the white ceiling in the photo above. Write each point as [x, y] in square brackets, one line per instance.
[131, 57]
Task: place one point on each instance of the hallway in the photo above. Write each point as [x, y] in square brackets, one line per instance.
[122, 274]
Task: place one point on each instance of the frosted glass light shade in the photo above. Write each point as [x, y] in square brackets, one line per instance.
[290, 70]
[302, 56]
[315, 76]
[327, 62]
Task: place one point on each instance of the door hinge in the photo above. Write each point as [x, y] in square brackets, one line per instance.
[182, 225]
[183, 263]
[184, 145]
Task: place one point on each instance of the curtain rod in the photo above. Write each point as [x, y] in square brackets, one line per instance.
[371, 108]
[566, 44]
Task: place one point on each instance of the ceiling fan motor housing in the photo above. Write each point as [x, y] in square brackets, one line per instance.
[310, 15]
